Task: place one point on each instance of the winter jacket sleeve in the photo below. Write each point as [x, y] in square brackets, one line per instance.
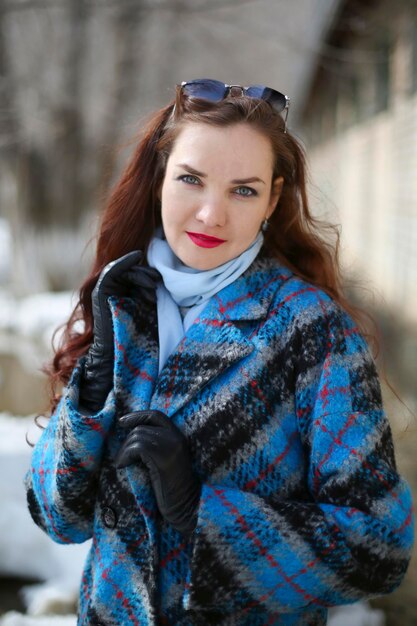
[61, 483]
[352, 536]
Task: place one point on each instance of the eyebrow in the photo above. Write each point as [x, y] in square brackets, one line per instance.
[235, 181]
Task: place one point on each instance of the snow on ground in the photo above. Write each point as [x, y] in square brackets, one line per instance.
[6, 250]
[26, 328]
[359, 614]
[35, 317]
[25, 550]
[27, 325]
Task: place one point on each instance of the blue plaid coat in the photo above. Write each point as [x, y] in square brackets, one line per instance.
[302, 507]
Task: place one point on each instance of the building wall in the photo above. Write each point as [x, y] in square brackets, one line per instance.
[363, 157]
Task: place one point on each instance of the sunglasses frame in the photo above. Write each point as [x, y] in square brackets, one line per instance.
[243, 92]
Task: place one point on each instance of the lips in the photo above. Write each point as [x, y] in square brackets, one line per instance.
[205, 241]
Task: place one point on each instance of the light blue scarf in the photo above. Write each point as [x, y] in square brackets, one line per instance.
[185, 286]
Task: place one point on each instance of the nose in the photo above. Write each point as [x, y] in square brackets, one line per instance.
[212, 213]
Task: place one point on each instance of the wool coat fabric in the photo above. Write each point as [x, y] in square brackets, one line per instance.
[302, 507]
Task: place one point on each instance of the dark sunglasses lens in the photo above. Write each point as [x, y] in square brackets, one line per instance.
[275, 98]
[205, 89]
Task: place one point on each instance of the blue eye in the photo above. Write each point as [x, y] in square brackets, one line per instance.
[189, 179]
[247, 192]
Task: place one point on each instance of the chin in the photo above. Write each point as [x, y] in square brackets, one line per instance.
[200, 258]
[202, 264]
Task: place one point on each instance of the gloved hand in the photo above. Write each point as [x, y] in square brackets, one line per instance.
[161, 446]
[120, 277]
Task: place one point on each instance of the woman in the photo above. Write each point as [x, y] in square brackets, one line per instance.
[221, 434]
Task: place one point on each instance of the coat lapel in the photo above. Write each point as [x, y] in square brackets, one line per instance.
[209, 347]
[214, 341]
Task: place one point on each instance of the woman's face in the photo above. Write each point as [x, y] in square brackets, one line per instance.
[217, 184]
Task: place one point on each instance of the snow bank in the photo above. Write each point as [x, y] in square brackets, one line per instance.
[6, 250]
[359, 614]
[36, 316]
[25, 550]
[27, 325]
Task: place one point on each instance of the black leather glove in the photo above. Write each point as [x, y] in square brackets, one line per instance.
[161, 446]
[118, 278]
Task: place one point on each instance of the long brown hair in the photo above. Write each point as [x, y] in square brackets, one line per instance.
[295, 237]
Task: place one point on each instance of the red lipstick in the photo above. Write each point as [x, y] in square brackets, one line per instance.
[205, 241]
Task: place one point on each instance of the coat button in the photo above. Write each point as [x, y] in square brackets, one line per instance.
[109, 517]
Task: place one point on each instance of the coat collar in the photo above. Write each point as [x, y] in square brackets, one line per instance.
[214, 341]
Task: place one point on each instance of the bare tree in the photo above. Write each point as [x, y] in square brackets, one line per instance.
[126, 24]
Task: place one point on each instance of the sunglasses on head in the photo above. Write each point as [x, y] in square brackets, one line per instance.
[215, 91]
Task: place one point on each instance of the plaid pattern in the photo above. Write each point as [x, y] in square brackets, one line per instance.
[302, 507]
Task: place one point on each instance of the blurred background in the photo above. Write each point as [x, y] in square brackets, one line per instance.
[77, 80]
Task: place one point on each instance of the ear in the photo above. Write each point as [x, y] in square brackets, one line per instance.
[276, 191]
